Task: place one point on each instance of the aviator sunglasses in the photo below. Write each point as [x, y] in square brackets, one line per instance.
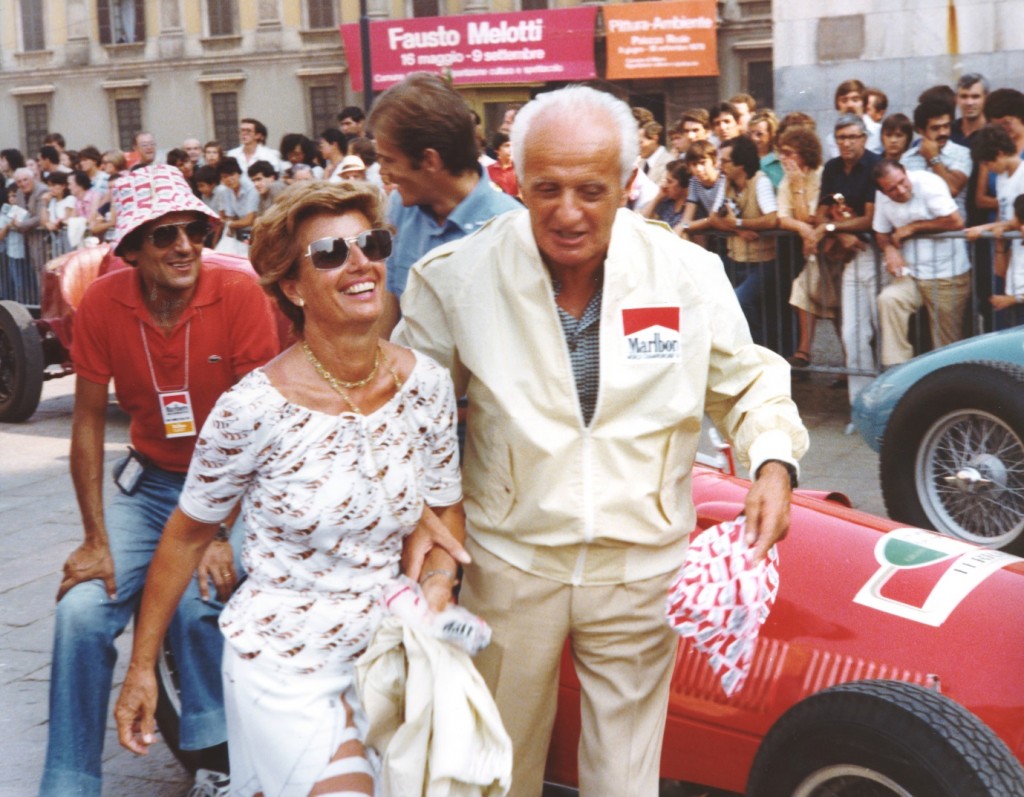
[332, 253]
[166, 234]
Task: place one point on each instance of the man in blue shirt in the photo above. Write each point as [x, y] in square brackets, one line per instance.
[426, 147]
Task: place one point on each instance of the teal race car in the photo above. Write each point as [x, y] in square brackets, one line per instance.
[949, 430]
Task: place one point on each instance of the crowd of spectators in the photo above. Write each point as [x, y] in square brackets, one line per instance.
[722, 176]
[864, 200]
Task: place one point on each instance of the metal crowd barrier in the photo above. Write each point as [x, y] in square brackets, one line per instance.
[21, 277]
[779, 327]
[948, 312]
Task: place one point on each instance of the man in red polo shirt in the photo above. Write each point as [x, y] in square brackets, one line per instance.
[173, 334]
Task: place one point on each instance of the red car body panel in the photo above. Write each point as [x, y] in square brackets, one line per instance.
[818, 635]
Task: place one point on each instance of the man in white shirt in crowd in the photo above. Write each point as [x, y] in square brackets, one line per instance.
[253, 135]
[931, 272]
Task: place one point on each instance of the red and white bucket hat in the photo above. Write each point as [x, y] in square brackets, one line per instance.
[149, 193]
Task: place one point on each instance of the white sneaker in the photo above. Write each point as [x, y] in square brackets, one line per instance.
[210, 783]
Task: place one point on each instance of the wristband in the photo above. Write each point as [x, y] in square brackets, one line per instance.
[223, 532]
[438, 572]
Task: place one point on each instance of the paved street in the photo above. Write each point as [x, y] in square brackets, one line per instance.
[39, 527]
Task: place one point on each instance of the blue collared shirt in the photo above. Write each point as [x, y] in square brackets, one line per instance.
[418, 232]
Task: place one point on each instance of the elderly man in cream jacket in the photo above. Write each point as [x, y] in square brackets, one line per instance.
[590, 343]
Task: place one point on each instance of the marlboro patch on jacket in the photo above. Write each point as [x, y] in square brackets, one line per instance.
[651, 333]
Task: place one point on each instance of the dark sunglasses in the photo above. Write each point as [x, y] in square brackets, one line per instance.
[331, 253]
[167, 234]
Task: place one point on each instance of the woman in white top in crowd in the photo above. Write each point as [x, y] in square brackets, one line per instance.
[336, 448]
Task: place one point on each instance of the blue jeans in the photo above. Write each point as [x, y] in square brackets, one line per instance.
[87, 624]
[755, 289]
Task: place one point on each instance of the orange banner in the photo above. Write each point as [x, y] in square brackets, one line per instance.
[661, 39]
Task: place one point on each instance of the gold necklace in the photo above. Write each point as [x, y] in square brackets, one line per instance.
[339, 386]
[333, 379]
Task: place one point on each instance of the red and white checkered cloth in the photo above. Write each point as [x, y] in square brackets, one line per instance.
[720, 600]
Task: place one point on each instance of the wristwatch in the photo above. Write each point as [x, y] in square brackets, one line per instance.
[830, 227]
[934, 161]
[739, 223]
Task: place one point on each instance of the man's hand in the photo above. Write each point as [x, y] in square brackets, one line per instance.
[900, 234]
[1001, 302]
[218, 564]
[87, 562]
[928, 148]
[438, 592]
[850, 242]
[429, 533]
[767, 508]
[134, 710]
[894, 262]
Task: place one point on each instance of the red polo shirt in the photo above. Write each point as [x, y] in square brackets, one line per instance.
[230, 331]
[504, 178]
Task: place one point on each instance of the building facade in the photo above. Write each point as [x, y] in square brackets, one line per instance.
[100, 70]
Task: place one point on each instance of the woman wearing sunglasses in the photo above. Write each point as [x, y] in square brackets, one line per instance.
[333, 448]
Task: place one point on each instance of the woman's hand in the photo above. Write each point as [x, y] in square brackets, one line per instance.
[218, 565]
[134, 710]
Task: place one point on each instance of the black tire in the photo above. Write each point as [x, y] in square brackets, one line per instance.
[883, 739]
[21, 363]
[168, 716]
[952, 458]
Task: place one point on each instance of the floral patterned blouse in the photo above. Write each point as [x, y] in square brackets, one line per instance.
[327, 501]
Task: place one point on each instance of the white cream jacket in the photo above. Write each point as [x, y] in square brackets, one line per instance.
[608, 503]
[431, 717]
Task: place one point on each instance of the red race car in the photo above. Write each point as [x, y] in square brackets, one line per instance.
[891, 664]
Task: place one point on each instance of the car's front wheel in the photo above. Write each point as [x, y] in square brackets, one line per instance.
[21, 363]
[952, 458]
[882, 739]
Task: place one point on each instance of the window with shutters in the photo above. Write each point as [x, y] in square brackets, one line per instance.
[426, 8]
[324, 104]
[33, 36]
[121, 21]
[37, 123]
[222, 19]
[128, 111]
[321, 14]
[224, 105]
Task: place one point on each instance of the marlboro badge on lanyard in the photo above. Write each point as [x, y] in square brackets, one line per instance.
[175, 403]
[720, 600]
[176, 409]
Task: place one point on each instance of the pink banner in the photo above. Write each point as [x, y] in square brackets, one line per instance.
[523, 47]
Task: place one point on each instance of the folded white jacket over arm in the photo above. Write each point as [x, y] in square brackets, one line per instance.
[431, 717]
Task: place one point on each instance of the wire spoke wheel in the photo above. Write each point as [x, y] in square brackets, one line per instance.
[970, 468]
[952, 457]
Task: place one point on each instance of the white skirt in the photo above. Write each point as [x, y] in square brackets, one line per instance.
[283, 727]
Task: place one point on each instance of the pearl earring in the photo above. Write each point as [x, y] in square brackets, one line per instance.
[301, 302]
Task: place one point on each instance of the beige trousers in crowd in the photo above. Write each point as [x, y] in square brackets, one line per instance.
[624, 652]
[946, 300]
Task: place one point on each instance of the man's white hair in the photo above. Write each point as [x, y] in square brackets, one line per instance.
[577, 102]
[23, 171]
